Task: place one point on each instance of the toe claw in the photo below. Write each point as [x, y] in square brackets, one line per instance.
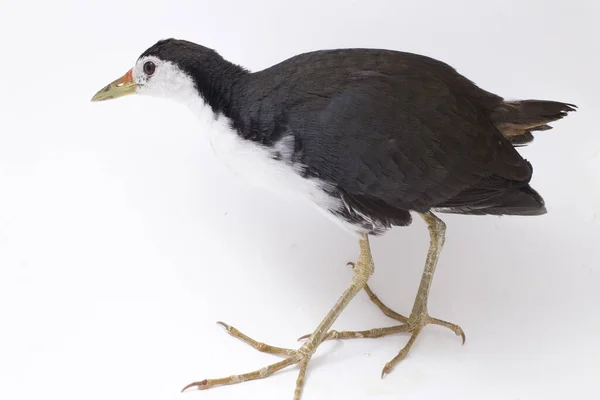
[462, 335]
[301, 338]
[350, 264]
[459, 332]
[200, 385]
[224, 325]
[386, 370]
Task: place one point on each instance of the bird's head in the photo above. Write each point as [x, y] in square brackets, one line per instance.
[171, 68]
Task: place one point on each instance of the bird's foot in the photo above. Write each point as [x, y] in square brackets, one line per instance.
[301, 357]
[362, 271]
[413, 325]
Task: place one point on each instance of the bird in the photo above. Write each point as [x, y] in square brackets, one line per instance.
[368, 136]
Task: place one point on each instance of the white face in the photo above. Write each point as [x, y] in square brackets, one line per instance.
[159, 78]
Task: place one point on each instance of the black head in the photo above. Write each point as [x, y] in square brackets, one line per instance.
[180, 52]
[181, 70]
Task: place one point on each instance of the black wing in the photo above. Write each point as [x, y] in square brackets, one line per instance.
[413, 144]
[394, 132]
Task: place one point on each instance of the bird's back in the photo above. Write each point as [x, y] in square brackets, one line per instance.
[392, 131]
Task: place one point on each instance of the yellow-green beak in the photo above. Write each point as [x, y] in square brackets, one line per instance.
[119, 88]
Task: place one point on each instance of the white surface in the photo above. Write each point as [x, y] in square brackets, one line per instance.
[123, 240]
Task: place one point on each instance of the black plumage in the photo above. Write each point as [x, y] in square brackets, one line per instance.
[393, 132]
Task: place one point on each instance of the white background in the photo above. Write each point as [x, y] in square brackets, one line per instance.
[123, 239]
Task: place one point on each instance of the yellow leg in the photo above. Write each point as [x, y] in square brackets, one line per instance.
[363, 270]
[419, 316]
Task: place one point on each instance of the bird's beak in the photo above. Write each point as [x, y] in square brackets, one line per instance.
[119, 88]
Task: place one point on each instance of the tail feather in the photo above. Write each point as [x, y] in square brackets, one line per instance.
[516, 120]
[524, 201]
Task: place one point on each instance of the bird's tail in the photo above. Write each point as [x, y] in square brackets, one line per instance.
[521, 201]
[518, 119]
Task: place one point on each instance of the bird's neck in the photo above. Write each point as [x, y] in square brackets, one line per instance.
[220, 84]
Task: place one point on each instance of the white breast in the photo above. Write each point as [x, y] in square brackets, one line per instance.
[255, 163]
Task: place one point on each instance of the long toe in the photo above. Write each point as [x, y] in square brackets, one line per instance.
[301, 356]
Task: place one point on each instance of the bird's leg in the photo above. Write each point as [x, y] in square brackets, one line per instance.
[419, 316]
[380, 332]
[362, 271]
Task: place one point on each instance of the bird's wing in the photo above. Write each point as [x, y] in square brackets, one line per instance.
[404, 142]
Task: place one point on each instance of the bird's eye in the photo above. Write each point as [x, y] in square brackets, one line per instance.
[149, 68]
